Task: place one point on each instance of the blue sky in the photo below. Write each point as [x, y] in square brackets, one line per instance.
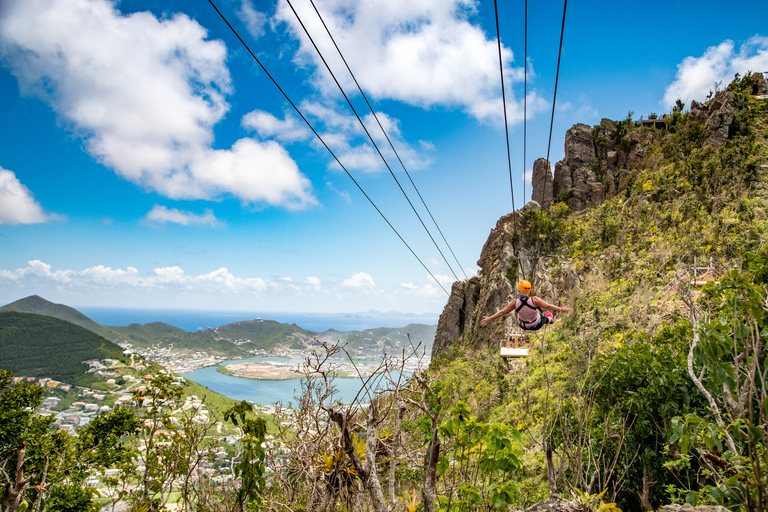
[146, 161]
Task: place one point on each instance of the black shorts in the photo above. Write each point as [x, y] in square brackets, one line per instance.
[543, 320]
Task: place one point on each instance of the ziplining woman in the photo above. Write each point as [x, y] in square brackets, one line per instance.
[528, 308]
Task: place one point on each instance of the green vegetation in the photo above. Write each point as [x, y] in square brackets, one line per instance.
[39, 306]
[636, 398]
[42, 346]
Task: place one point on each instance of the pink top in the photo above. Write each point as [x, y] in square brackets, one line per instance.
[526, 314]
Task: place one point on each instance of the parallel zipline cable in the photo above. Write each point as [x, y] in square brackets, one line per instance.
[387, 136]
[370, 137]
[324, 144]
[525, 95]
[504, 101]
[557, 76]
[506, 131]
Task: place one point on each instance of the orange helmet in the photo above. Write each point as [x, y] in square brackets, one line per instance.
[524, 287]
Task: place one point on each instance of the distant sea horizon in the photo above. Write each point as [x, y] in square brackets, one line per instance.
[196, 320]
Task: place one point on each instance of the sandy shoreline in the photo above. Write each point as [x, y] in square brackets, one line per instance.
[261, 371]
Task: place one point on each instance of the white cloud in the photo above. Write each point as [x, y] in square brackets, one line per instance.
[144, 93]
[428, 291]
[422, 53]
[359, 280]
[266, 125]
[162, 215]
[17, 206]
[254, 20]
[446, 281]
[697, 76]
[341, 130]
[171, 284]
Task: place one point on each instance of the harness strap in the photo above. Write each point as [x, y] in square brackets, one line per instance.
[525, 324]
[524, 302]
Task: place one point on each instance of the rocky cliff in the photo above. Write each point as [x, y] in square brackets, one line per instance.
[600, 162]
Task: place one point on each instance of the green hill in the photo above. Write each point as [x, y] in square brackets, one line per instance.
[387, 338]
[39, 306]
[149, 334]
[34, 345]
[237, 339]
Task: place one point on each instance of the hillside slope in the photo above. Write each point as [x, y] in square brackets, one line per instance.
[606, 396]
[636, 204]
[34, 345]
[39, 306]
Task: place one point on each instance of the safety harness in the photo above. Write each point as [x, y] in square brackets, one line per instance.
[523, 323]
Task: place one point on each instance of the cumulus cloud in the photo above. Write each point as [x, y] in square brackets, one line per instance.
[144, 93]
[428, 291]
[266, 125]
[423, 53]
[162, 215]
[432, 290]
[157, 286]
[359, 280]
[39, 274]
[697, 76]
[17, 206]
[100, 276]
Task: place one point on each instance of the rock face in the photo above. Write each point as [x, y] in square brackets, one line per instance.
[761, 84]
[721, 112]
[574, 174]
[600, 162]
[483, 295]
[455, 318]
[541, 182]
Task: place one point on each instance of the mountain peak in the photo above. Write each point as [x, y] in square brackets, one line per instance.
[40, 306]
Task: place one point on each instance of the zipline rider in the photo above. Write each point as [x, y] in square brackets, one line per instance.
[528, 308]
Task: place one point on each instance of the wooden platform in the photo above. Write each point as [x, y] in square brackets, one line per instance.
[514, 352]
[511, 345]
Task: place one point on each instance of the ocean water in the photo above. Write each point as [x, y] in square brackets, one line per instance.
[267, 392]
[195, 320]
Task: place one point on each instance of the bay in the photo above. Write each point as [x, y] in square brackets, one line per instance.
[264, 392]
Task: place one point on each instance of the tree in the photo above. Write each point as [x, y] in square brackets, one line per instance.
[727, 363]
[251, 468]
[22, 433]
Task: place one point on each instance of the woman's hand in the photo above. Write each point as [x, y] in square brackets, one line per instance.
[485, 320]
